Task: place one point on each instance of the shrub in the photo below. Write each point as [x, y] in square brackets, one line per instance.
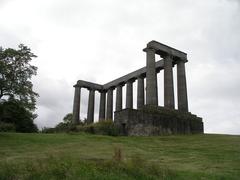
[48, 130]
[13, 112]
[7, 127]
[104, 127]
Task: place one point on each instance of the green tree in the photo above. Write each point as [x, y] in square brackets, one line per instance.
[15, 75]
[14, 113]
[17, 98]
[68, 118]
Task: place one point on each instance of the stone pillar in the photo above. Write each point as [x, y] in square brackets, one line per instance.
[102, 106]
[182, 87]
[119, 98]
[140, 92]
[76, 105]
[151, 78]
[129, 94]
[90, 114]
[168, 83]
[109, 104]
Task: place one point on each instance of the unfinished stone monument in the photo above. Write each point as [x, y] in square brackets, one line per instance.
[148, 118]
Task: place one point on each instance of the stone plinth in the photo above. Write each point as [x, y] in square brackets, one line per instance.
[151, 120]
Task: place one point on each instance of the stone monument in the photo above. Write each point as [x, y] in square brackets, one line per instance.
[149, 118]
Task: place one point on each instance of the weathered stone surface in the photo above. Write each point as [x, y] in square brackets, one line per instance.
[140, 92]
[163, 49]
[133, 75]
[119, 98]
[109, 104]
[168, 83]
[90, 114]
[151, 79]
[182, 87]
[129, 94]
[102, 106]
[122, 80]
[151, 120]
[76, 105]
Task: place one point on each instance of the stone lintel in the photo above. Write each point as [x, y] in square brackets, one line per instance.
[120, 81]
[163, 50]
[133, 75]
[89, 85]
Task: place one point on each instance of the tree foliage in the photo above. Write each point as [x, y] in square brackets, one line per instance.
[15, 75]
[17, 98]
[68, 118]
[14, 113]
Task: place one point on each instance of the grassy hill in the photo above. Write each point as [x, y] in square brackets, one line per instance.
[84, 156]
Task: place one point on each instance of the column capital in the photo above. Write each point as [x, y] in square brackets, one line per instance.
[121, 84]
[111, 88]
[147, 49]
[142, 76]
[181, 60]
[131, 80]
[90, 88]
[77, 86]
[167, 55]
[102, 91]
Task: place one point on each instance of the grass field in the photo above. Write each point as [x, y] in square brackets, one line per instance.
[84, 156]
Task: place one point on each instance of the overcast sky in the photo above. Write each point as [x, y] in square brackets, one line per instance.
[99, 41]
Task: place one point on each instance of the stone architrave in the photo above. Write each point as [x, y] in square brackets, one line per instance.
[91, 99]
[168, 83]
[182, 87]
[76, 105]
[102, 106]
[151, 78]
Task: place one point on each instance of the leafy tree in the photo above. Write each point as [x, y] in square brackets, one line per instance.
[15, 75]
[17, 98]
[14, 113]
[68, 118]
[66, 125]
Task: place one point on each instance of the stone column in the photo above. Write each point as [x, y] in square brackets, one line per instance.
[102, 106]
[168, 83]
[119, 98]
[90, 114]
[129, 94]
[151, 78]
[140, 92]
[76, 105]
[109, 104]
[182, 87]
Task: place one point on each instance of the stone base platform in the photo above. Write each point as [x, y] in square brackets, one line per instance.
[150, 121]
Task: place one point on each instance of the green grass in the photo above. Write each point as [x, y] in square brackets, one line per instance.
[84, 156]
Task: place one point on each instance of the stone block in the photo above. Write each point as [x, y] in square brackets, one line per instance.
[152, 121]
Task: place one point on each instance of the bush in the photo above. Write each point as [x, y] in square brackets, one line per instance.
[48, 130]
[104, 127]
[60, 128]
[7, 127]
[13, 112]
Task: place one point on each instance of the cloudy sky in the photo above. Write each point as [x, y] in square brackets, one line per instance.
[99, 41]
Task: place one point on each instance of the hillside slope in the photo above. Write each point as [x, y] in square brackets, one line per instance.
[83, 156]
